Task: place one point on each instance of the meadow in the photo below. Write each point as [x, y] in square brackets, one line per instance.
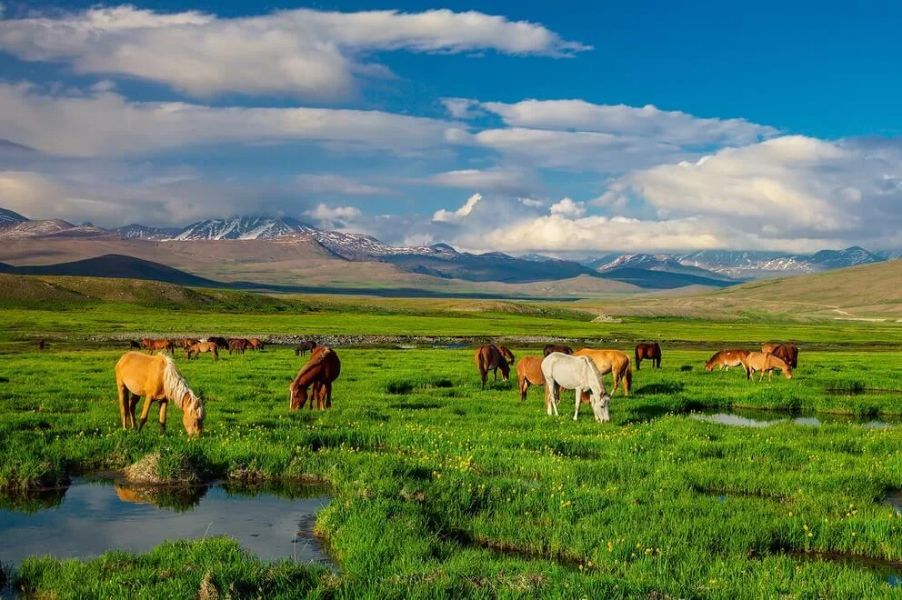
[442, 489]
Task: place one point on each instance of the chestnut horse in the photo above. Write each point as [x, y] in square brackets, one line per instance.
[317, 375]
[255, 344]
[157, 379]
[529, 372]
[194, 350]
[728, 358]
[650, 351]
[549, 348]
[238, 345]
[490, 357]
[611, 361]
[304, 347]
[154, 345]
[788, 353]
[761, 362]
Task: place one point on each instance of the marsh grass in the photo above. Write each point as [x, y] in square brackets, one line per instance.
[441, 489]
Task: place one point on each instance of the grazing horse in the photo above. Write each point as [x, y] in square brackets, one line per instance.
[304, 347]
[574, 373]
[549, 348]
[317, 375]
[184, 343]
[154, 345]
[529, 372]
[157, 379]
[761, 362]
[651, 351]
[788, 353]
[195, 350]
[238, 345]
[255, 344]
[221, 342]
[611, 361]
[133, 345]
[491, 358]
[728, 358]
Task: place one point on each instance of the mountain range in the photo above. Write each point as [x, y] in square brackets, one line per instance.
[277, 249]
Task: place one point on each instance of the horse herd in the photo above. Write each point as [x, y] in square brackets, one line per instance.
[156, 378]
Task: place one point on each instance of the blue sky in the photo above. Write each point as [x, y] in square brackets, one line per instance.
[532, 126]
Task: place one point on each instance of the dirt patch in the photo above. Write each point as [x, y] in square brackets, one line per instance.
[153, 469]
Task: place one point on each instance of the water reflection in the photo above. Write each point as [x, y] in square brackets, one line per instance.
[760, 418]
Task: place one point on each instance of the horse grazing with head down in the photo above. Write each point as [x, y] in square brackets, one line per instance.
[255, 344]
[490, 357]
[238, 345]
[154, 345]
[529, 372]
[651, 351]
[788, 353]
[577, 373]
[157, 379]
[611, 361]
[549, 348]
[761, 362]
[317, 376]
[194, 350]
[728, 358]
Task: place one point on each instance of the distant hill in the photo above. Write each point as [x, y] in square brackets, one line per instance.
[662, 280]
[114, 266]
[864, 292]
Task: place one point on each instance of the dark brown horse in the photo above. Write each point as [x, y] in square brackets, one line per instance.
[221, 342]
[132, 344]
[304, 347]
[317, 376]
[238, 345]
[651, 351]
[549, 348]
[154, 345]
[491, 358]
[788, 353]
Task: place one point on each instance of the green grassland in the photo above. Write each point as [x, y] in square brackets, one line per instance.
[441, 489]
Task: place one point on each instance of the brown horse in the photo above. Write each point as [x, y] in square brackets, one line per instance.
[761, 362]
[317, 375]
[154, 345]
[788, 353]
[238, 345]
[255, 344]
[304, 347]
[549, 348]
[157, 379]
[221, 342]
[184, 343]
[194, 350]
[529, 372]
[728, 358]
[611, 361]
[490, 357]
[651, 351]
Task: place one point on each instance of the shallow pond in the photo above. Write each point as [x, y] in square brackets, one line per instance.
[95, 516]
[761, 418]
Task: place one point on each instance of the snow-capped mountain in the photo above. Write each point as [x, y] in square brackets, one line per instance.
[9, 217]
[755, 264]
[144, 232]
[243, 228]
[27, 228]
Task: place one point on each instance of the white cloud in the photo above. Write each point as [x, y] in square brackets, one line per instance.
[462, 108]
[568, 208]
[507, 180]
[105, 123]
[445, 216]
[325, 183]
[305, 53]
[333, 216]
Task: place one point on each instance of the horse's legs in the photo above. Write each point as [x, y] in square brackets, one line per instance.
[123, 395]
[163, 405]
[524, 385]
[484, 374]
[144, 412]
[578, 395]
[133, 400]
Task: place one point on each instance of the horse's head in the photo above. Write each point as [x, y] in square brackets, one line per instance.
[193, 417]
[507, 354]
[787, 372]
[505, 370]
[709, 366]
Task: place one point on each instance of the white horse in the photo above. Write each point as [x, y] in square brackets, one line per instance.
[574, 373]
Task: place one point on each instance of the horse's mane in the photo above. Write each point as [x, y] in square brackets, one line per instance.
[177, 389]
[596, 371]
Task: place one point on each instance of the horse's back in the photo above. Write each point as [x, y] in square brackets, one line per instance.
[530, 368]
[142, 374]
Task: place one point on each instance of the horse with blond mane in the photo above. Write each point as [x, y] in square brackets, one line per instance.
[611, 361]
[574, 373]
[157, 379]
[321, 370]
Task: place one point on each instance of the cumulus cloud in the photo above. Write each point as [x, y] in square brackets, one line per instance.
[333, 216]
[568, 208]
[106, 123]
[326, 183]
[305, 53]
[446, 216]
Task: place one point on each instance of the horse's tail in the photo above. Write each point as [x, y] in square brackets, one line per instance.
[177, 390]
[628, 374]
